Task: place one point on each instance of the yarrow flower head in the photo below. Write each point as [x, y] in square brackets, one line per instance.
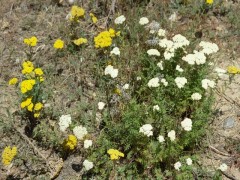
[189, 161]
[109, 70]
[154, 82]
[8, 155]
[101, 105]
[208, 47]
[87, 164]
[161, 32]
[115, 154]
[223, 167]
[64, 122]
[164, 81]
[220, 71]
[172, 135]
[187, 124]
[156, 108]
[146, 130]
[120, 19]
[87, 143]
[179, 69]
[161, 139]
[153, 52]
[115, 51]
[196, 96]
[58, 44]
[208, 83]
[31, 41]
[180, 41]
[70, 143]
[177, 165]
[143, 21]
[80, 132]
[180, 81]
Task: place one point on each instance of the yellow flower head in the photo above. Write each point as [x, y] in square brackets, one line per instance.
[80, 41]
[209, 1]
[112, 32]
[31, 41]
[94, 18]
[30, 107]
[27, 102]
[59, 44]
[115, 154]
[233, 70]
[8, 155]
[71, 142]
[27, 67]
[27, 85]
[36, 115]
[76, 13]
[13, 81]
[38, 71]
[118, 91]
[103, 39]
[38, 106]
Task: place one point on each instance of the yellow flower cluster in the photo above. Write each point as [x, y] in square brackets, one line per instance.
[76, 13]
[27, 67]
[13, 81]
[71, 142]
[233, 70]
[58, 44]
[8, 155]
[29, 105]
[80, 41]
[31, 41]
[27, 85]
[209, 1]
[115, 154]
[104, 39]
[94, 18]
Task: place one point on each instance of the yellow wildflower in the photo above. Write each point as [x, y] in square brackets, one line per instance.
[118, 33]
[31, 41]
[58, 44]
[103, 39]
[38, 106]
[27, 85]
[76, 13]
[38, 71]
[209, 1]
[112, 32]
[27, 67]
[94, 18]
[118, 91]
[41, 79]
[30, 107]
[27, 102]
[115, 154]
[13, 81]
[70, 142]
[8, 155]
[233, 70]
[80, 41]
[36, 115]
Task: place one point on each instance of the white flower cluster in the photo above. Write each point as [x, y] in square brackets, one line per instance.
[187, 124]
[80, 132]
[87, 143]
[208, 83]
[189, 161]
[120, 19]
[87, 164]
[101, 105]
[111, 71]
[161, 33]
[125, 86]
[156, 108]
[153, 52]
[208, 47]
[172, 135]
[160, 65]
[115, 51]
[154, 82]
[223, 167]
[64, 122]
[180, 81]
[178, 164]
[179, 69]
[180, 41]
[164, 81]
[143, 21]
[220, 71]
[196, 58]
[146, 130]
[196, 96]
[161, 139]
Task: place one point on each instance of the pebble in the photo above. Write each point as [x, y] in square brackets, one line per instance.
[229, 123]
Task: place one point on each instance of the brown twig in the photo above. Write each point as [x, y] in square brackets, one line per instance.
[228, 176]
[218, 152]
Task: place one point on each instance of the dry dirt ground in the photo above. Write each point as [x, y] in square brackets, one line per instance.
[19, 19]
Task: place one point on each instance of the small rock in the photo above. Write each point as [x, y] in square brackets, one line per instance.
[229, 123]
